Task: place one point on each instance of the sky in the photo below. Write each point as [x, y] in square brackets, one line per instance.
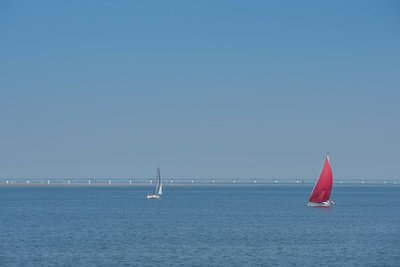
[203, 89]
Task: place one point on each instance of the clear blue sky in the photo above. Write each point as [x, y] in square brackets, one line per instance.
[200, 88]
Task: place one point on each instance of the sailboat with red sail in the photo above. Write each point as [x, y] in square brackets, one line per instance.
[320, 196]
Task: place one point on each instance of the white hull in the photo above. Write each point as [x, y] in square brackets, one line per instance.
[153, 196]
[327, 203]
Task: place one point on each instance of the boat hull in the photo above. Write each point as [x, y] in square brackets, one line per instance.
[327, 203]
[153, 196]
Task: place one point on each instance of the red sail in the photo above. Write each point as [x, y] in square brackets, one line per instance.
[323, 188]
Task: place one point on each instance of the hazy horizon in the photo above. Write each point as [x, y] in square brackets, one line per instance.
[201, 89]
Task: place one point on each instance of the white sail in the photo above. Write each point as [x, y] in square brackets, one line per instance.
[159, 183]
[160, 189]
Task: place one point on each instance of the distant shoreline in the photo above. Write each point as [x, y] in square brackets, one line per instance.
[75, 185]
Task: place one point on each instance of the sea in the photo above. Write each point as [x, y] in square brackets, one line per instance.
[198, 226]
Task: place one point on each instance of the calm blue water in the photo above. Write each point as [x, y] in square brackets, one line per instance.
[198, 226]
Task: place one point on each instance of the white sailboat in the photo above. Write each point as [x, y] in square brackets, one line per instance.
[158, 192]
